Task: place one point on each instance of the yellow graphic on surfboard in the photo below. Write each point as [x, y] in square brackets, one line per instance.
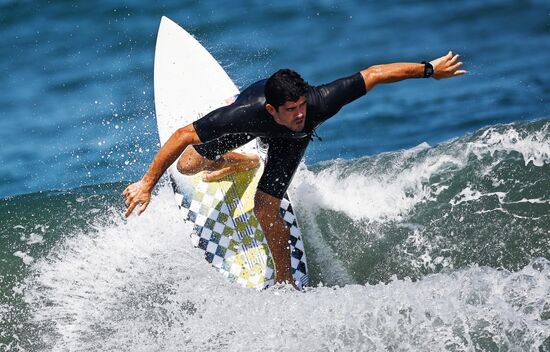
[228, 231]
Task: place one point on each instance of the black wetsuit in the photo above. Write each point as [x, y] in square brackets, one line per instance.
[234, 125]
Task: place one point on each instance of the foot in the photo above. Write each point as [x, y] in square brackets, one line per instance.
[285, 281]
[230, 164]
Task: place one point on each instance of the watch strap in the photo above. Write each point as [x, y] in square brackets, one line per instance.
[428, 69]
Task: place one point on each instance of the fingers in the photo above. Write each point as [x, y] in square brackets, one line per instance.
[449, 57]
[456, 66]
[128, 201]
[447, 66]
[134, 195]
[454, 59]
[130, 209]
[143, 207]
[133, 204]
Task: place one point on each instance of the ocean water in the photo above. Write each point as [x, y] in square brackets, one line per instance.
[425, 208]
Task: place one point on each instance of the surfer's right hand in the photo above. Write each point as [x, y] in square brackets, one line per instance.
[134, 195]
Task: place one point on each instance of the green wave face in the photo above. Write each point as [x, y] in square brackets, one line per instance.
[483, 199]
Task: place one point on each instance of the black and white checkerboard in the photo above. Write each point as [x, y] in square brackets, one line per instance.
[227, 230]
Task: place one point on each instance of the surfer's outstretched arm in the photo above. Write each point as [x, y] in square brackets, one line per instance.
[139, 193]
[444, 67]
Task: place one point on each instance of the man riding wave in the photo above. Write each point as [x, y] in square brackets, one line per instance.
[283, 111]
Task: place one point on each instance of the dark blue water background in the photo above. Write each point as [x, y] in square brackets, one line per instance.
[77, 105]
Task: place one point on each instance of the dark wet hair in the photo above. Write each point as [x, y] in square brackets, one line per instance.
[284, 85]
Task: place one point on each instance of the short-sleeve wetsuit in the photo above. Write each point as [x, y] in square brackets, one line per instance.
[231, 126]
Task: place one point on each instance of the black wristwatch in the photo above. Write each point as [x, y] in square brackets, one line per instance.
[428, 69]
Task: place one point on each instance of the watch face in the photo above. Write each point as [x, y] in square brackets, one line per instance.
[428, 70]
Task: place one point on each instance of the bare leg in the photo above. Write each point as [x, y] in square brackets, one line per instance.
[191, 162]
[266, 208]
[229, 164]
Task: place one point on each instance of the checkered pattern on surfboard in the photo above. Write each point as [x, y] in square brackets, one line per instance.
[231, 238]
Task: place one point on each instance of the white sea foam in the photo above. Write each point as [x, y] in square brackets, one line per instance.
[33, 238]
[469, 195]
[533, 146]
[139, 286]
[386, 194]
[27, 259]
[382, 196]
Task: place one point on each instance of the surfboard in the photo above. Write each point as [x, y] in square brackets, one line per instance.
[189, 83]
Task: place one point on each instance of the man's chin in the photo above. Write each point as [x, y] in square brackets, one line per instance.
[298, 128]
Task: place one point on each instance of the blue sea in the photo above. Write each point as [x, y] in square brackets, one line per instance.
[425, 208]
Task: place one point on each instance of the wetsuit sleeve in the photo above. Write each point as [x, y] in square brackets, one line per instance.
[283, 157]
[333, 96]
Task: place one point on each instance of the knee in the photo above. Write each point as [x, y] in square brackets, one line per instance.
[184, 167]
[190, 162]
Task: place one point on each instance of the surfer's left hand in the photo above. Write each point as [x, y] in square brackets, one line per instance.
[447, 66]
[134, 195]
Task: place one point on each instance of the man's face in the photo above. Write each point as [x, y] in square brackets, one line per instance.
[291, 114]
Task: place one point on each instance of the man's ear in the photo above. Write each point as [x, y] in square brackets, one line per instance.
[271, 109]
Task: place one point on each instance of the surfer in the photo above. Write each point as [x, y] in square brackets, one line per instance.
[283, 111]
